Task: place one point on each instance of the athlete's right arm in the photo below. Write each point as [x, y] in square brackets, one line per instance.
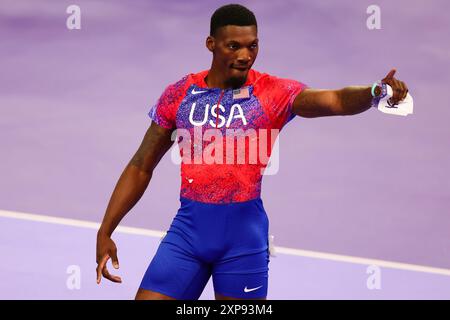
[129, 189]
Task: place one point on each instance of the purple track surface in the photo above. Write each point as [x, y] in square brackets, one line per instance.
[73, 110]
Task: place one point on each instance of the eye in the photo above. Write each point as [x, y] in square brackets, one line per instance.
[254, 46]
[233, 46]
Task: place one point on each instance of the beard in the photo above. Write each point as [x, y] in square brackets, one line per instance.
[236, 82]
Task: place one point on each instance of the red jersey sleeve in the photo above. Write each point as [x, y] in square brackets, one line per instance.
[164, 112]
[277, 95]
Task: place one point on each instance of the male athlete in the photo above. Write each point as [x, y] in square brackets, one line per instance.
[221, 227]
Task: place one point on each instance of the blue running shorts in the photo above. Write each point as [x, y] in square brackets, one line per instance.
[226, 241]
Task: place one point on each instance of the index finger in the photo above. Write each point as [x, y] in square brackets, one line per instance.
[391, 73]
[100, 267]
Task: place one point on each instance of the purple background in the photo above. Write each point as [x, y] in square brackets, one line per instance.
[74, 103]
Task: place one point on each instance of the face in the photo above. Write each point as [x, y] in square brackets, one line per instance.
[234, 51]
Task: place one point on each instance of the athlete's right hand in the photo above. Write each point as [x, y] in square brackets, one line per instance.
[106, 248]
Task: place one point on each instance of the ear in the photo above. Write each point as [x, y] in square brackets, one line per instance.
[210, 43]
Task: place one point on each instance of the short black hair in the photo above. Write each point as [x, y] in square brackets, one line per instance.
[231, 14]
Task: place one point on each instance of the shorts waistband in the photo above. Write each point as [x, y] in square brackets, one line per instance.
[221, 204]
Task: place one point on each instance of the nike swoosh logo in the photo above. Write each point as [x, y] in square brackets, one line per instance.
[197, 92]
[252, 289]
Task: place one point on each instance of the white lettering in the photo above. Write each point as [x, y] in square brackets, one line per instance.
[236, 112]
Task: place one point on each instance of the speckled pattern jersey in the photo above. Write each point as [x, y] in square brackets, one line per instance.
[189, 104]
[221, 227]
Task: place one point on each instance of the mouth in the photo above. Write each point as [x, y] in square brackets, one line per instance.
[240, 68]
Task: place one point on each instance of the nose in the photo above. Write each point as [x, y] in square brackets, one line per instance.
[245, 56]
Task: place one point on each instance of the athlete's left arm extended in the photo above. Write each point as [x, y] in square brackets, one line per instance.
[311, 103]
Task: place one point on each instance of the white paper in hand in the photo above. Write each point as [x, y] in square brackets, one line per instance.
[403, 108]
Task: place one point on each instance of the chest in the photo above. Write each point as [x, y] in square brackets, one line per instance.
[222, 109]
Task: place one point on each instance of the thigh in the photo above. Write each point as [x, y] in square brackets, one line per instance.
[242, 277]
[175, 273]
[143, 294]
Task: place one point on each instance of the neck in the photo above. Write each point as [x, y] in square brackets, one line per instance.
[215, 78]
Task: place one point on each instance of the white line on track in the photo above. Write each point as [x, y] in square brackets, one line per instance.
[282, 250]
